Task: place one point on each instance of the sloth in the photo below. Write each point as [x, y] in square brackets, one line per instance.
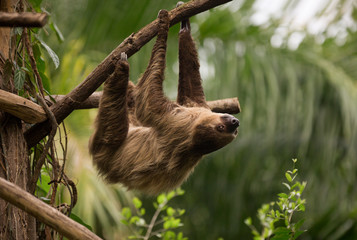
[146, 141]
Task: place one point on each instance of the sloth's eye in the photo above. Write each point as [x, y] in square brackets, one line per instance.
[220, 128]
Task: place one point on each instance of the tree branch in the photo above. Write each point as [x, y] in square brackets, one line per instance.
[43, 212]
[24, 19]
[130, 45]
[31, 112]
[228, 105]
[21, 107]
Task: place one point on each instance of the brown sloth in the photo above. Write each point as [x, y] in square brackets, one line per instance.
[147, 142]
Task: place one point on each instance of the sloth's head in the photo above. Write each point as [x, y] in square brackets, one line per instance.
[213, 131]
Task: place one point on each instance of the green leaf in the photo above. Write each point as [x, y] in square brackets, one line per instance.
[19, 78]
[124, 221]
[176, 223]
[40, 63]
[281, 230]
[59, 34]
[181, 212]
[179, 191]
[272, 213]
[80, 221]
[286, 221]
[281, 237]
[170, 195]
[50, 52]
[161, 199]
[255, 233]
[170, 211]
[248, 221]
[280, 204]
[298, 233]
[126, 212]
[283, 195]
[142, 211]
[167, 224]
[288, 177]
[137, 203]
[137, 220]
[287, 185]
[302, 187]
[302, 207]
[298, 225]
[169, 235]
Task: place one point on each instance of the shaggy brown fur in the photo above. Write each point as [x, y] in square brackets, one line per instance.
[145, 141]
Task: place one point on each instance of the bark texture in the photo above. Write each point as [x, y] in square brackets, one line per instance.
[14, 161]
[44, 212]
[25, 19]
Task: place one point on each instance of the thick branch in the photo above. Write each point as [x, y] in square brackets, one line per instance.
[228, 105]
[21, 107]
[43, 212]
[130, 45]
[30, 112]
[24, 19]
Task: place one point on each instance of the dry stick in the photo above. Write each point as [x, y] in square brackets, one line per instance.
[24, 19]
[43, 212]
[228, 105]
[130, 45]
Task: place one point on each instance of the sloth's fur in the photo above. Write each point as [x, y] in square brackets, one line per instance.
[147, 142]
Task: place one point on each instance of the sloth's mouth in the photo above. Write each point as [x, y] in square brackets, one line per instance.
[235, 132]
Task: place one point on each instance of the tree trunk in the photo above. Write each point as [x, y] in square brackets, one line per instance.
[14, 161]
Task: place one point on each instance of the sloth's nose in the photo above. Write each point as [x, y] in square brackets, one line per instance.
[231, 122]
[235, 121]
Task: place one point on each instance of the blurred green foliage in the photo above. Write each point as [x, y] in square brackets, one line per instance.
[296, 102]
[163, 223]
[278, 219]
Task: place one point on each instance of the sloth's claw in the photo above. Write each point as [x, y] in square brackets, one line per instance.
[123, 56]
[179, 3]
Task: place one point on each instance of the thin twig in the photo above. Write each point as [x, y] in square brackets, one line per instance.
[153, 220]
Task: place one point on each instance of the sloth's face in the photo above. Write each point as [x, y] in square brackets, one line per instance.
[213, 131]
